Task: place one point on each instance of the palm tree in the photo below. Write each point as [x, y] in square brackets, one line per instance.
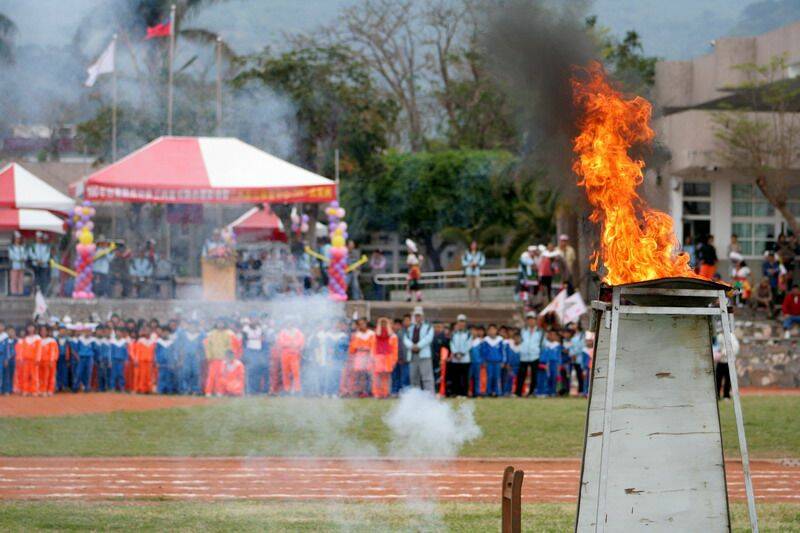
[8, 30]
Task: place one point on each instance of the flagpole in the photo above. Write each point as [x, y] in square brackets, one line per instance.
[219, 86]
[114, 106]
[336, 171]
[171, 58]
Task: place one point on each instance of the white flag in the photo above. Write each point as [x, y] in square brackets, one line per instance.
[103, 65]
[40, 307]
[573, 308]
[556, 305]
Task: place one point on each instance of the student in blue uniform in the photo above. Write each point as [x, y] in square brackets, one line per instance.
[549, 359]
[476, 361]
[119, 356]
[512, 354]
[190, 354]
[83, 347]
[3, 354]
[102, 356]
[574, 344]
[7, 385]
[165, 360]
[494, 358]
[62, 365]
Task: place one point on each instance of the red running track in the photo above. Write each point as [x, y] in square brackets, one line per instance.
[462, 479]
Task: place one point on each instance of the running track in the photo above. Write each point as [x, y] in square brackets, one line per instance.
[461, 479]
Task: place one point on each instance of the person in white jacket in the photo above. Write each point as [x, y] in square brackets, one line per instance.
[722, 370]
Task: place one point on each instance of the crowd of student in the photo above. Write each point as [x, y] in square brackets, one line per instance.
[261, 356]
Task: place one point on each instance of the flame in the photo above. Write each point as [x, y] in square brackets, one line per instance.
[637, 242]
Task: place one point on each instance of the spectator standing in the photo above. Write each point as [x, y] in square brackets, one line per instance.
[414, 263]
[691, 250]
[141, 273]
[377, 266]
[18, 255]
[528, 274]
[734, 247]
[532, 340]
[791, 310]
[708, 258]
[39, 255]
[494, 358]
[771, 269]
[740, 275]
[384, 358]
[119, 271]
[400, 375]
[362, 350]
[254, 358]
[458, 366]
[722, 373]
[570, 261]
[472, 261]
[418, 340]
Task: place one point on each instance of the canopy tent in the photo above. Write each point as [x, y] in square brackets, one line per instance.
[30, 220]
[259, 223]
[204, 170]
[20, 189]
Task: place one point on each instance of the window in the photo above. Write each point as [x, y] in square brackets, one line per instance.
[696, 209]
[755, 220]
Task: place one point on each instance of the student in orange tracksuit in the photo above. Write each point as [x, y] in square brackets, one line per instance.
[384, 358]
[47, 362]
[362, 350]
[232, 375]
[143, 355]
[218, 343]
[289, 346]
[29, 352]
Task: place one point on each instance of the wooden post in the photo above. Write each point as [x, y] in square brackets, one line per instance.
[511, 500]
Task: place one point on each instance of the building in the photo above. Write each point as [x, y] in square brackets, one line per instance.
[706, 196]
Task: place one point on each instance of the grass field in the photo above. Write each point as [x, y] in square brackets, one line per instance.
[314, 517]
[298, 426]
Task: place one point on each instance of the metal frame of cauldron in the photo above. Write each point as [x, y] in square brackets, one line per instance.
[685, 296]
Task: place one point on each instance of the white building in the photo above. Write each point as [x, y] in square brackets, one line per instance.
[705, 196]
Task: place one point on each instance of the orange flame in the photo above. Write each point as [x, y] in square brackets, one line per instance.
[637, 242]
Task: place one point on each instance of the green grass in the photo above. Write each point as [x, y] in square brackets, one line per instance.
[315, 517]
[298, 426]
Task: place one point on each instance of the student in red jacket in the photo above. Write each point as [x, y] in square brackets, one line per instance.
[791, 310]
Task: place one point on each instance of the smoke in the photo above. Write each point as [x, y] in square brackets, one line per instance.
[424, 426]
[533, 49]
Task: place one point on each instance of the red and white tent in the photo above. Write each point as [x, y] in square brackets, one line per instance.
[204, 170]
[19, 189]
[29, 220]
[259, 223]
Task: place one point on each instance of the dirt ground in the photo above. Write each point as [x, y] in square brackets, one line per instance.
[99, 402]
[327, 479]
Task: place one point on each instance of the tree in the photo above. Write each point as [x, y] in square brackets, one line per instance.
[625, 59]
[420, 194]
[759, 133]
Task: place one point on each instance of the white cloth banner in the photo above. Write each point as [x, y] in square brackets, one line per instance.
[103, 65]
[40, 307]
[568, 309]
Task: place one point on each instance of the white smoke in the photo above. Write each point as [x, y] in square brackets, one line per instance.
[425, 426]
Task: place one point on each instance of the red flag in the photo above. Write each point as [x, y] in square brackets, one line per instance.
[159, 30]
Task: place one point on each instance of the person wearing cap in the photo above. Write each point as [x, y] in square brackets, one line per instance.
[18, 255]
[532, 339]
[570, 259]
[39, 256]
[120, 352]
[472, 261]
[417, 340]
[458, 365]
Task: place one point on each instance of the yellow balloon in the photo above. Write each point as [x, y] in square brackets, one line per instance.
[338, 241]
[86, 237]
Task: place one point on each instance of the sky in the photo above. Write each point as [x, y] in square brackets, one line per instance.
[670, 29]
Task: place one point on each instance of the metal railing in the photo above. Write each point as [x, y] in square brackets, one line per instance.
[450, 277]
